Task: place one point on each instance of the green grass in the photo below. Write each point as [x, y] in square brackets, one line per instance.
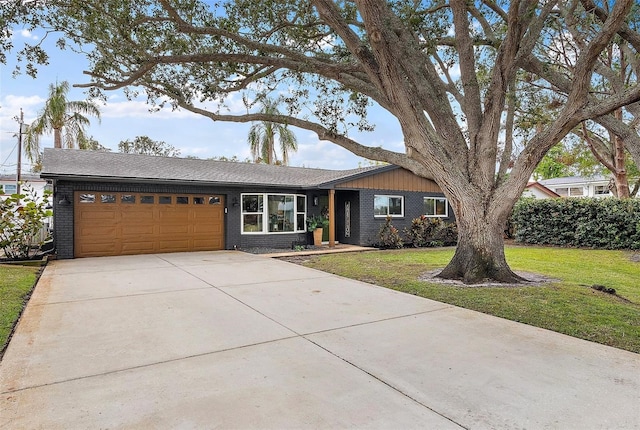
[567, 306]
[16, 283]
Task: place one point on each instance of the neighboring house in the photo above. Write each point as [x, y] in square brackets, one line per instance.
[576, 186]
[8, 184]
[539, 191]
[112, 203]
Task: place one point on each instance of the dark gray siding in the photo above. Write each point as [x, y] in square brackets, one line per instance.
[364, 227]
[413, 208]
[63, 220]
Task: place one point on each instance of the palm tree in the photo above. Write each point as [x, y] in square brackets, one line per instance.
[60, 114]
[262, 137]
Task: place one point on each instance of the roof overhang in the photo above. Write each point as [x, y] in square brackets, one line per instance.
[139, 180]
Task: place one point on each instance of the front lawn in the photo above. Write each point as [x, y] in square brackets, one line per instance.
[16, 282]
[567, 306]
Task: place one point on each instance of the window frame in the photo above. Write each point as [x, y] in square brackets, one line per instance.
[4, 191]
[264, 214]
[388, 196]
[598, 190]
[436, 198]
[558, 190]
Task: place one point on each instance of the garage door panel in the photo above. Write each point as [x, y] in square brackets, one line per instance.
[210, 216]
[98, 215]
[137, 216]
[204, 244]
[173, 229]
[133, 225]
[98, 231]
[202, 228]
[207, 224]
[144, 247]
[138, 230]
[175, 215]
[176, 245]
[98, 249]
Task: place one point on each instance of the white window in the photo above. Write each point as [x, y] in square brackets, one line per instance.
[282, 213]
[570, 191]
[8, 189]
[601, 190]
[384, 206]
[576, 191]
[436, 207]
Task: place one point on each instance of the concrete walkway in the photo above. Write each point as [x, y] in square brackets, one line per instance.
[233, 340]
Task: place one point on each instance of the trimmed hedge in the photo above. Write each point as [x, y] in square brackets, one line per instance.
[607, 223]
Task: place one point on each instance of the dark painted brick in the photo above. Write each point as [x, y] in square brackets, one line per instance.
[364, 227]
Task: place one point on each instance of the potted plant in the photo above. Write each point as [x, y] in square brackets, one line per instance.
[315, 224]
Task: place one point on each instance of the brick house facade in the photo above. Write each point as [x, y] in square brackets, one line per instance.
[115, 187]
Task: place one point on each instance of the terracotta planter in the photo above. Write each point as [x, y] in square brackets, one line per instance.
[317, 237]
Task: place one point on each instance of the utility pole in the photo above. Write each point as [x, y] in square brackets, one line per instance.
[18, 178]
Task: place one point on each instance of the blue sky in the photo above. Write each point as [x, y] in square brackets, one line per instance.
[122, 119]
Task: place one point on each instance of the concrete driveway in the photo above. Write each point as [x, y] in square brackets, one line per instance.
[233, 340]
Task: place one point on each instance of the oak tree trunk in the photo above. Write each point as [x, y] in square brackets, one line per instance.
[479, 256]
[620, 172]
[622, 185]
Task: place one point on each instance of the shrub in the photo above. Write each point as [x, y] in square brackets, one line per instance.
[425, 231]
[22, 219]
[422, 230]
[389, 236]
[608, 223]
[317, 221]
[447, 235]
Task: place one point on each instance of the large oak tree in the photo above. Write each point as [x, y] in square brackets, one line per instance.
[452, 73]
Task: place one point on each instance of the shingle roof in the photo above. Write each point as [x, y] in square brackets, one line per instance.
[542, 189]
[573, 180]
[25, 177]
[113, 166]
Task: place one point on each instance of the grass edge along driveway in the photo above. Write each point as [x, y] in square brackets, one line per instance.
[570, 305]
[16, 285]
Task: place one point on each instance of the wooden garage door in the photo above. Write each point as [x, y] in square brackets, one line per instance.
[109, 223]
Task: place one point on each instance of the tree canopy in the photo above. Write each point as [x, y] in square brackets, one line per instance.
[262, 137]
[146, 146]
[463, 80]
[64, 118]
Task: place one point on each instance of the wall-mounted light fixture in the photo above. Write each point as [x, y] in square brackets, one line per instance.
[64, 201]
[316, 200]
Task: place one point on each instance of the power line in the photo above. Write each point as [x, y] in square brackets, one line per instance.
[11, 153]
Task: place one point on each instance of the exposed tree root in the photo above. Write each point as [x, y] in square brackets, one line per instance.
[527, 279]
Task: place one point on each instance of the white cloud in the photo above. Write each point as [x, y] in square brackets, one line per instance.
[10, 107]
[117, 107]
[322, 154]
[25, 102]
[27, 34]
[140, 109]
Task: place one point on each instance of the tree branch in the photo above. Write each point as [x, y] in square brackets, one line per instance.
[625, 32]
[471, 101]
[371, 153]
[598, 148]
